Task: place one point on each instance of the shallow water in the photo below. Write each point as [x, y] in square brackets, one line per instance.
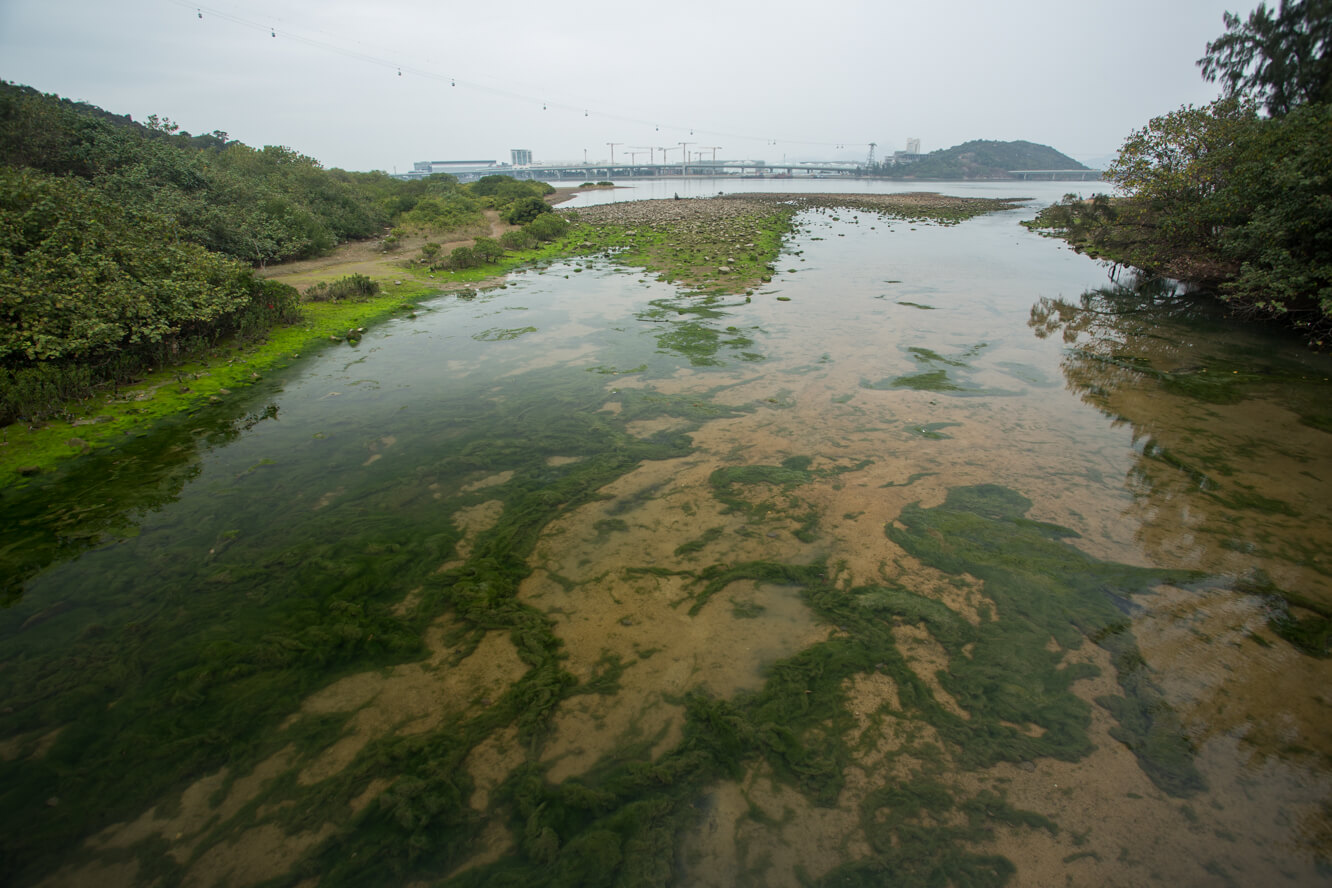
[944, 558]
[666, 187]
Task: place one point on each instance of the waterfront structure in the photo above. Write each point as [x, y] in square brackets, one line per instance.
[423, 168]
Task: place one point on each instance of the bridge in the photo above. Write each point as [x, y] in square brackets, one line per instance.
[1054, 175]
[745, 169]
[597, 170]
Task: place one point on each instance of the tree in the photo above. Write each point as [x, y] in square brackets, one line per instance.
[1177, 168]
[524, 210]
[1281, 188]
[1282, 59]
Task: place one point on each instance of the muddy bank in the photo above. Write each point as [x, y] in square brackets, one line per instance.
[927, 205]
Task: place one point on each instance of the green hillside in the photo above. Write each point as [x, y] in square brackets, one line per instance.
[983, 159]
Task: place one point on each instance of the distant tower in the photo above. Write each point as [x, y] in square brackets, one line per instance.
[521, 156]
[870, 162]
[913, 146]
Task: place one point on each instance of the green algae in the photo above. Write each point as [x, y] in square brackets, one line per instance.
[620, 822]
[904, 824]
[746, 610]
[929, 356]
[1253, 501]
[731, 483]
[943, 375]
[698, 544]
[607, 526]
[932, 431]
[614, 371]
[1044, 588]
[929, 381]
[687, 251]
[688, 328]
[1304, 623]
[1321, 422]
[211, 683]
[911, 479]
[797, 723]
[209, 378]
[501, 334]
[785, 477]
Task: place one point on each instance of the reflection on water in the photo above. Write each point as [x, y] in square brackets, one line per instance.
[1229, 427]
[585, 582]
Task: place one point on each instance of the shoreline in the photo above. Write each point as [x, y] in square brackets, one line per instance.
[640, 228]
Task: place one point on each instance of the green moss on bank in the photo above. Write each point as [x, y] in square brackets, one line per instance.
[190, 385]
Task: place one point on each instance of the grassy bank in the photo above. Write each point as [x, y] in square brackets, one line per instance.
[28, 450]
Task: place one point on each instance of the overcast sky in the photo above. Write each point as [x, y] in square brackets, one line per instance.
[771, 80]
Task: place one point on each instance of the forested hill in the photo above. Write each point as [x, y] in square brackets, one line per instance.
[982, 159]
[255, 205]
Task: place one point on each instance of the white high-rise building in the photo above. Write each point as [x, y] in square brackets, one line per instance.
[521, 156]
[913, 146]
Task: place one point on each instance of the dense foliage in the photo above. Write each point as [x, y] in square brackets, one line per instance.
[1282, 59]
[91, 292]
[1225, 196]
[124, 246]
[255, 205]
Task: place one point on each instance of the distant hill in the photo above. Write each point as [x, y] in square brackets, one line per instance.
[983, 159]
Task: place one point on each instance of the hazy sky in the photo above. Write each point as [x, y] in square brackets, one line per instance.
[562, 78]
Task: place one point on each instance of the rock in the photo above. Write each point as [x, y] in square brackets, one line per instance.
[723, 269]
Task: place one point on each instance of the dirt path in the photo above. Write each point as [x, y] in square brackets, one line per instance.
[367, 257]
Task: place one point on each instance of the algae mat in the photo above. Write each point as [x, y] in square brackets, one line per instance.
[587, 582]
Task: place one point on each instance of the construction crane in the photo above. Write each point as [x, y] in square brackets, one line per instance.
[649, 149]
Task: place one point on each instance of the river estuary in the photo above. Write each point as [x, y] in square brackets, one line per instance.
[950, 556]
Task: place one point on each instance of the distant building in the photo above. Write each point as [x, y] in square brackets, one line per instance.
[423, 168]
[910, 155]
[520, 156]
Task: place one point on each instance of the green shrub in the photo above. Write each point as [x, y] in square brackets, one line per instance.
[525, 210]
[80, 278]
[487, 250]
[444, 212]
[547, 227]
[460, 258]
[518, 239]
[353, 286]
